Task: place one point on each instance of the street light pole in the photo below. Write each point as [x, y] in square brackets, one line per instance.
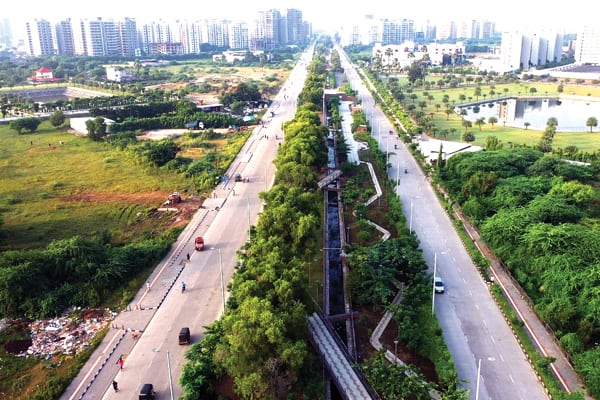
[222, 283]
[396, 348]
[398, 175]
[433, 284]
[411, 212]
[478, 375]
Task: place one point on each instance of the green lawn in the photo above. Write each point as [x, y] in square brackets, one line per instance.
[584, 141]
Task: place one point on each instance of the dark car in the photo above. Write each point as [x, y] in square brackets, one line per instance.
[147, 392]
[184, 336]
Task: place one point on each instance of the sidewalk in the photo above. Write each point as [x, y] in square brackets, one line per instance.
[541, 336]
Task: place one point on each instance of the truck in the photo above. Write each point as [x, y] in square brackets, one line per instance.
[194, 125]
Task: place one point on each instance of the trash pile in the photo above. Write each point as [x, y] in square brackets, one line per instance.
[66, 334]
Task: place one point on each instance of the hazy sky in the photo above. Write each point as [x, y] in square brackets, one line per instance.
[324, 14]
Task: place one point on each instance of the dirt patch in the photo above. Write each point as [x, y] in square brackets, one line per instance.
[185, 209]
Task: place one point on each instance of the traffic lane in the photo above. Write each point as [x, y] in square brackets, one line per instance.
[474, 310]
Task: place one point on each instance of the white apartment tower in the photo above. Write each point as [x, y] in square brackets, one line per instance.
[397, 31]
[39, 38]
[127, 36]
[527, 50]
[238, 36]
[190, 36]
[65, 41]
[295, 27]
[587, 49]
[269, 22]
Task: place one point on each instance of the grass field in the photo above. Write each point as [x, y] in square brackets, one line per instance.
[53, 191]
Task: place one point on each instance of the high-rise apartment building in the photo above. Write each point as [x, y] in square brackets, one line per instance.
[397, 31]
[270, 28]
[40, 39]
[127, 36]
[65, 42]
[295, 27]
[102, 37]
[238, 36]
[587, 48]
[525, 50]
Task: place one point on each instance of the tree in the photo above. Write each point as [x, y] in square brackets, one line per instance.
[527, 125]
[57, 118]
[466, 124]
[28, 124]
[480, 122]
[592, 122]
[492, 120]
[96, 128]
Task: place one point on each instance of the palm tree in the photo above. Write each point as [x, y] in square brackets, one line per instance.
[527, 124]
[492, 120]
[480, 122]
[591, 122]
[466, 124]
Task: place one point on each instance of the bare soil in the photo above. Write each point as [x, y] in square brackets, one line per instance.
[186, 208]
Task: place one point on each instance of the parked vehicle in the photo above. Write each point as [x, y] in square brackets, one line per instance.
[184, 336]
[199, 242]
[147, 392]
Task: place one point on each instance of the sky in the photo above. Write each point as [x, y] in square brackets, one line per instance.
[324, 14]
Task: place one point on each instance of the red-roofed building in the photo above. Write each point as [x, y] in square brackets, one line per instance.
[43, 75]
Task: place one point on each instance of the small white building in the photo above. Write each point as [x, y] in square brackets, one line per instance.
[118, 74]
[430, 148]
[78, 124]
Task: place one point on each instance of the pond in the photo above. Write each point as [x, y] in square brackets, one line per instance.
[570, 114]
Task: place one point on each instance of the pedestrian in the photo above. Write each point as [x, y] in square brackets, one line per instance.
[182, 287]
[115, 386]
[147, 286]
[188, 257]
[120, 361]
[233, 191]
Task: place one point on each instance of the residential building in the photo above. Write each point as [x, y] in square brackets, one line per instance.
[65, 41]
[526, 50]
[238, 36]
[40, 39]
[587, 48]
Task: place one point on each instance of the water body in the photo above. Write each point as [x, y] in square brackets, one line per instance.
[570, 114]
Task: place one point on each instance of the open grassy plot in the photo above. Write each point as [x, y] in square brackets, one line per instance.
[50, 190]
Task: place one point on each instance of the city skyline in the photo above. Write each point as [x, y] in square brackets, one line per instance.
[512, 14]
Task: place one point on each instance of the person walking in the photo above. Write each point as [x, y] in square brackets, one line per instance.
[115, 386]
[188, 257]
[147, 286]
[120, 361]
[182, 287]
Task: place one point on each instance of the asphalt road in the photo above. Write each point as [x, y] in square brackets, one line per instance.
[486, 354]
[146, 334]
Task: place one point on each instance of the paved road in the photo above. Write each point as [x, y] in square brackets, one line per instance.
[478, 337]
[157, 314]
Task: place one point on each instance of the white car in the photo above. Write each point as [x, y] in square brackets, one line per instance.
[438, 284]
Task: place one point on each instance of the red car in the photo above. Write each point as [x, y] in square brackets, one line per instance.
[199, 243]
